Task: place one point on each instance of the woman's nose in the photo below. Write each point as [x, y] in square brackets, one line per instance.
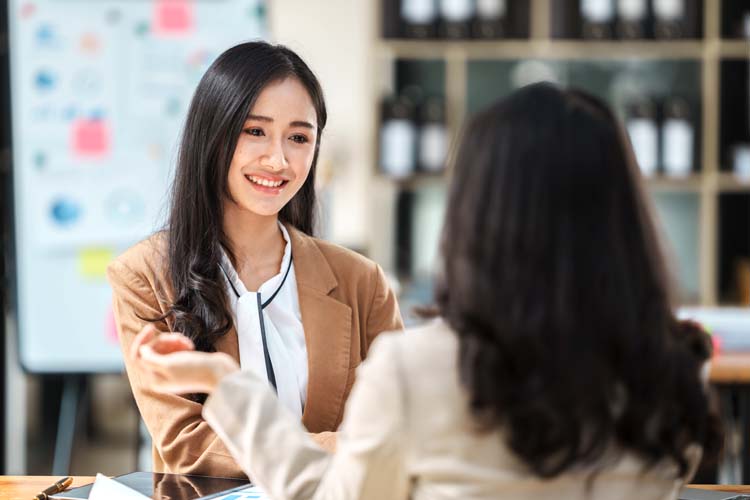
[274, 157]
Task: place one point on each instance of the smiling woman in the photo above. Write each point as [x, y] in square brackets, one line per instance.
[275, 150]
[237, 269]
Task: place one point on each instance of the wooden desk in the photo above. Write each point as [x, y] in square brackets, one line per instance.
[25, 487]
[734, 488]
[730, 373]
[730, 368]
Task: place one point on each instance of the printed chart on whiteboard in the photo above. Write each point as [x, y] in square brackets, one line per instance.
[99, 91]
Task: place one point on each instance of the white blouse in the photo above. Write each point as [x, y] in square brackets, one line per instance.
[274, 311]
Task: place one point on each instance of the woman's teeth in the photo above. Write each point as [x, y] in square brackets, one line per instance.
[264, 182]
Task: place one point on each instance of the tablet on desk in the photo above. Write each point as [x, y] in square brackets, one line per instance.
[173, 486]
[699, 494]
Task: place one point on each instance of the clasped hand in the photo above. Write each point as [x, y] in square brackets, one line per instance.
[168, 362]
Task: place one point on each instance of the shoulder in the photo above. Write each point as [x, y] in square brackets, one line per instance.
[143, 263]
[421, 365]
[431, 348]
[345, 261]
[324, 264]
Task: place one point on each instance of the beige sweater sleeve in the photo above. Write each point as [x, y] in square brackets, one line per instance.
[183, 441]
[280, 457]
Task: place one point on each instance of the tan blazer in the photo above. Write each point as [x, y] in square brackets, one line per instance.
[345, 302]
[408, 434]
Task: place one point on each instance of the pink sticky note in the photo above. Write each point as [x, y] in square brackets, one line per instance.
[110, 327]
[90, 138]
[173, 17]
[27, 10]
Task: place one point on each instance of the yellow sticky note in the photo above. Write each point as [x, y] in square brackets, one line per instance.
[92, 262]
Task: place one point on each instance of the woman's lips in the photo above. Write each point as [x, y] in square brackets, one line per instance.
[266, 185]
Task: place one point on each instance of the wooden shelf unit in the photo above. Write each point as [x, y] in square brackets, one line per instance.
[707, 185]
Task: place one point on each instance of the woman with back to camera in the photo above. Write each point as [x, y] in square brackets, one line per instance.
[237, 270]
[557, 368]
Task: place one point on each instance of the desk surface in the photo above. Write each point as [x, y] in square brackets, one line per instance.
[731, 368]
[25, 487]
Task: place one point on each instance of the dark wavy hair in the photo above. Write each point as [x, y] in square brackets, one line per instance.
[195, 235]
[554, 280]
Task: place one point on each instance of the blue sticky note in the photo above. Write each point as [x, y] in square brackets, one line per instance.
[65, 212]
[44, 80]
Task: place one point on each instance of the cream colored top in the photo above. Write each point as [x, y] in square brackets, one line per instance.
[407, 433]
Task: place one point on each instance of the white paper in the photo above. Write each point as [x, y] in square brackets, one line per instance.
[433, 142]
[491, 9]
[632, 10]
[677, 147]
[108, 489]
[249, 493]
[456, 10]
[643, 136]
[418, 11]
[598, 11]
[669, 10]
[397, 143]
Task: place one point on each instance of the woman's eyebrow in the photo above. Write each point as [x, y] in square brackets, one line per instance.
[260, 118]
[296, 123]
[302, 124]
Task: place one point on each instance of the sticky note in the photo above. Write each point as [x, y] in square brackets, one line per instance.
[173, 17]
[90, 43]
[65, 211]
[110, 327]
[90, 138]
[45, 80]
[27, 10]
[92, 262]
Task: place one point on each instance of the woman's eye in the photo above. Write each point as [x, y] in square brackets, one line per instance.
[254, 131]
[299, 138]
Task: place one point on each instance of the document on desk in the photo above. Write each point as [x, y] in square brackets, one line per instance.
[108, 489]
[249, 493]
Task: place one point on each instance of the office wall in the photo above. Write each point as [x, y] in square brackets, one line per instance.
[341, 61]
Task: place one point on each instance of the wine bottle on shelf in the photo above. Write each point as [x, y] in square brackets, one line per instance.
[418, 18]
[596, 18]
[491, 19]
[398, 136]
[390, 15]
[456, 18]
[433, 136]
[671, 19]
[741, 161]
[643, 132]
[404, 222]
[632, 18]
[677, 136]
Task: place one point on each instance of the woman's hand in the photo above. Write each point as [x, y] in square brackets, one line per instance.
[169, 363]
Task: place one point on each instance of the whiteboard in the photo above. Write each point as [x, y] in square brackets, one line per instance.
[99, 92]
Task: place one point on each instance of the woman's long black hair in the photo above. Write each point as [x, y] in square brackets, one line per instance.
[554, 280]
[195, 235]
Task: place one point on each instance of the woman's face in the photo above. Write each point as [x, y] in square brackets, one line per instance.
[275, 149]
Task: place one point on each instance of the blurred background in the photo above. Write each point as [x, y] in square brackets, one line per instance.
[93, 94]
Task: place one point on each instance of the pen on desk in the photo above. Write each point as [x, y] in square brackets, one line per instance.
[59, 486]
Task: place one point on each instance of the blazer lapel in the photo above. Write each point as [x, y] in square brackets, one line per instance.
[327, 324]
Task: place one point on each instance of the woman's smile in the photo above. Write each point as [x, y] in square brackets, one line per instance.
[267, 184]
